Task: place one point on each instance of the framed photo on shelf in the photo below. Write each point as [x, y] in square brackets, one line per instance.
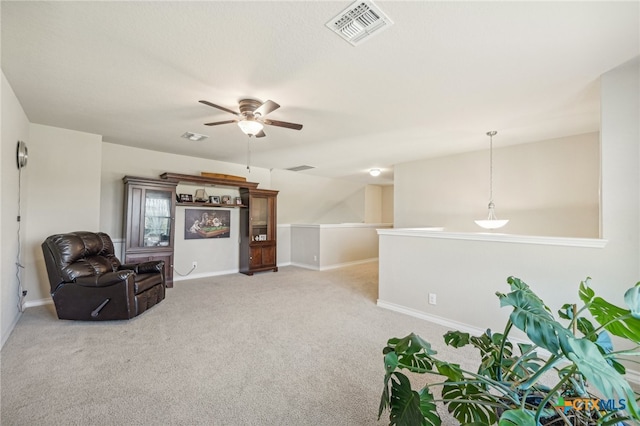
[186, 198]
[239, 201]
[214, 199]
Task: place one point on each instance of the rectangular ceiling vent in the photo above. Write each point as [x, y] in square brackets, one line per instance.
[359, 21]
[300, 168]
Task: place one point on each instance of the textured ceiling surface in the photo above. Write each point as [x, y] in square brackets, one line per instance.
[432, 84]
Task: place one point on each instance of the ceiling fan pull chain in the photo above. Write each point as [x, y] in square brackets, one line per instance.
[248, 152]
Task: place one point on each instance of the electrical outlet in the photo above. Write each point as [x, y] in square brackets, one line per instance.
[315, 258]
[432, 298]
[194, 264]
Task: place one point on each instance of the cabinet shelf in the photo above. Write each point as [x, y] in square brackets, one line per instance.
[203, 204]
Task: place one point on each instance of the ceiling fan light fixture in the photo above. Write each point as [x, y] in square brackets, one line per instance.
[250, 126]
[375, 172]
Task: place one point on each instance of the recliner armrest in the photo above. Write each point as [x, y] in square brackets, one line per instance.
[145, 267]
[105, 279]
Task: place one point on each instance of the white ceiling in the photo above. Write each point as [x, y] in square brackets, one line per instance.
[432, 84]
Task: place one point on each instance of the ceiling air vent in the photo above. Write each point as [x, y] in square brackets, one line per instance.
[359, 21]
[300, 168]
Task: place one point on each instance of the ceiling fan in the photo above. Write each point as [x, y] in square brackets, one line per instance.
[251, 117]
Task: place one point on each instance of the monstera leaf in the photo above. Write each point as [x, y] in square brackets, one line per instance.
[533, 317]
[405, 403]
[469, 403]
[600, 374]
[616, 320]
[519, 417]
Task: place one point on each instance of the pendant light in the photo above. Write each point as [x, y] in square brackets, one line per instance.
[492, 222]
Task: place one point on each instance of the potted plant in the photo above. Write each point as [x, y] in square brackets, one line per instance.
[508, 387]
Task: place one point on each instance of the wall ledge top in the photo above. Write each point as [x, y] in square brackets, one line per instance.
[433, 232]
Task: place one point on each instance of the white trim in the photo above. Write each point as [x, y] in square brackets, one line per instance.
[284, 264]
[495, 237]
[342, 265]
[631, 376]
[39, 302]
[342, 225]
[203, 275]
[305, 266]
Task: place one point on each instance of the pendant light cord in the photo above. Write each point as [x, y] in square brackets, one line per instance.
[491, 135]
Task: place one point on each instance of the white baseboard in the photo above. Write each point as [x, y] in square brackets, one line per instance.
[342, 265]
[203, 275]
[334, 266]
[39, 302]
[632, 376]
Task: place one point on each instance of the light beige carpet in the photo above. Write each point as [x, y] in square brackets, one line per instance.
[296, 347]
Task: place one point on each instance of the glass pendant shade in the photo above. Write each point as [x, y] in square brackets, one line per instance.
[492, 222]
[250, 126]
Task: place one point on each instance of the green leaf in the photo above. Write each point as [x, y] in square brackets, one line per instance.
[390, 362]
[586, 328]
[428, 407]
[566, 311]
[468, 403]
[585, 292]
[518, 417]
[457, 339]
[600, 374]
[533, 317]
[405, 403]
[632, 299]
[413, 352]
[449, 370]
[615, 320]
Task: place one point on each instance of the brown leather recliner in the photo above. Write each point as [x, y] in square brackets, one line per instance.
[88, 282]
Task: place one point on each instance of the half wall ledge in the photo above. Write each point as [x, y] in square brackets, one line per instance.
[437, 232]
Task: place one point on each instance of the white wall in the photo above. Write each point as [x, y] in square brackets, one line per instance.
[63, 195]
[466, 273]
[387, 204]
[15, 126]
[119, 161]
[373, 204]
[328, 246]
[312, 199]
[544, 188]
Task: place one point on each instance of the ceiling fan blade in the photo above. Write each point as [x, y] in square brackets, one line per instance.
[266, 108]
[260, 134]
[293, 126]
[220, 122]
[219, 107]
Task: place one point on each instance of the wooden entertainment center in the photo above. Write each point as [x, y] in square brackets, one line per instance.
[150, 231]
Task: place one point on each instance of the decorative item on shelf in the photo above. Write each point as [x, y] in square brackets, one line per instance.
[186, 198]
[492, 222]
[223, 176]
[239, 201]
[201, 196]
[214, 199]
[226, 199]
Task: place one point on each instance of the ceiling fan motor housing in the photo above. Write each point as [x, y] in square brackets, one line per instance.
[248, 106]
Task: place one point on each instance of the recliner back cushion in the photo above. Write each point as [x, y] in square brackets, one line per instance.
[81, 254]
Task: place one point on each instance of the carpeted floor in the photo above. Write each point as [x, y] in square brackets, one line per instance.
[296, 347]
